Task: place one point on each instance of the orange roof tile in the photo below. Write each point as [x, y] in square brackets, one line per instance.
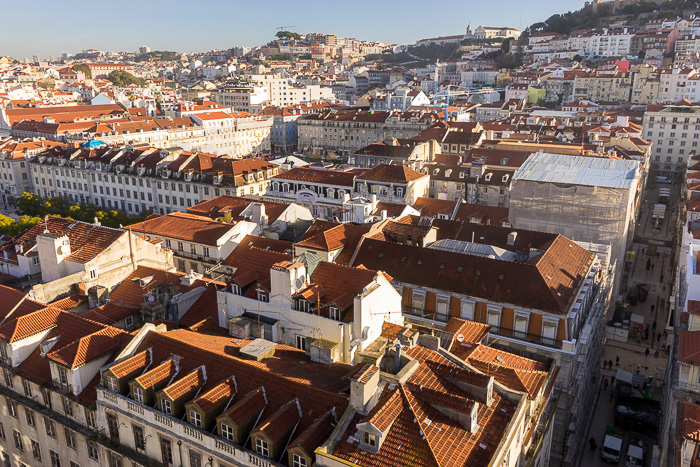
[132, 364]
[186, 384]
[89, 347]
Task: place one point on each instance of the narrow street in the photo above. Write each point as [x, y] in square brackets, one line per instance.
[651, 267]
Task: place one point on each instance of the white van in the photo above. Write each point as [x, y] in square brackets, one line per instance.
[662, 179]
[635, 453]
[612, 448]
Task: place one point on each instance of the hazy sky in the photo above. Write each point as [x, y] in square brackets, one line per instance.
[50, 27]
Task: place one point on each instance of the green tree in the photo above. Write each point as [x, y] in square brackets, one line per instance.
[121, 78]
[31, 205]
[287, 35]
[82, 68]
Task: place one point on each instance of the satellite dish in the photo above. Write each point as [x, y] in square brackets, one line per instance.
[150, 298]
[298, 283]
[460, 338]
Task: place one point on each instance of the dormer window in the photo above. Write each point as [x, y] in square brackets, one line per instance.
[334, 313]
[138, 394]
[303, 305]
[62, 376]
[488, 177]
[112, 384]
[196, 418]
[166, 406]
[370, 439]
[263, 296]
[262, 448]
[298, 461]
[505, 178]
[461, 175]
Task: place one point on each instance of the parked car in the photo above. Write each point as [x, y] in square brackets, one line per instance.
[662, 179]
[612, 445]
[635, 453]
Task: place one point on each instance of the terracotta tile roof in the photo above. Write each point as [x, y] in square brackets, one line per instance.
[163, 372]
[431, 207]
[546, 282]
[184, 226]
[289, 363]
[248, 407]
[383, 415]
[111, 312]
[689, 416]
[188, 383]
[236, 257]
[281, 422]
[86, 240]
[216, 207]
[21, 327]
[130, 292]
[321, 176]
[286, 376]
[694, 307]
[321, 428]
[89, 347]
[69, 329]
[689, 347]
[132, 364]
[465, 332]
[255, 268]
[223, 391]
[391, 174]
[487, 215]
[419, 433]
[338, 285]
[205, 307]
[16, 303]
[70, 302]
[392, 209]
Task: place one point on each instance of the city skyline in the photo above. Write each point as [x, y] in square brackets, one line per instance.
[175, 27]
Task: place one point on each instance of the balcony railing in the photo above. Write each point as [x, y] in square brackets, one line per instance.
[526, 336]
[425, 314]
[228, 452]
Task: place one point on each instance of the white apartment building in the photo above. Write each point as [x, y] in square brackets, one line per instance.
[251, 99]
[145, 179]
[299, 302]
[282, 92]
[233, 134]
[676, 84]
[674, 131]
[610, 43]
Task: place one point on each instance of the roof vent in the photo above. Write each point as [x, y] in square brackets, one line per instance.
[500, 277]
[420, 261]
[478, 272]
[403, 259]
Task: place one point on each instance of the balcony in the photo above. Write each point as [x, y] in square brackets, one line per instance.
[229, 453]
[526, 337]
[425, 314]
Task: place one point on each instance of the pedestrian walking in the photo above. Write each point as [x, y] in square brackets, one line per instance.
[611, 395]
[653, 325]
[605, 383]
[648, 263]
[652, 266]
[656, 353]
[610, 364]
[662, 279]
[642, 250]
[657, 255]
[612, 380]
[617, 361]
[646, 352]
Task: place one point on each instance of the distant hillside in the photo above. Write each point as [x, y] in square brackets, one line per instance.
[586, 18]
